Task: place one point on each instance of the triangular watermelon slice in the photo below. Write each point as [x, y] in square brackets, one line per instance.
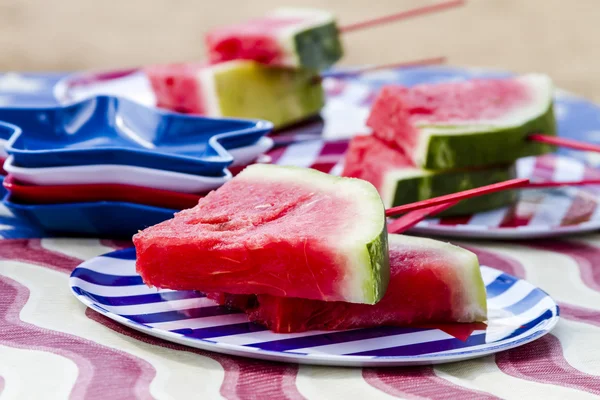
[400, 182]
[431, 282]
[284, 231]
[466, 124]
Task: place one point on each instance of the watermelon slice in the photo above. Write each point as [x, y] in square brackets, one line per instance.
[400, 182]
[242, 89]
[466, 124]
[430, 282]
[286, 37]
[284, 231]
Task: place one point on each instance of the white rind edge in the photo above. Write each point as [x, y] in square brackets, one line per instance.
[390, 181]
[207, 90]
[353, 244]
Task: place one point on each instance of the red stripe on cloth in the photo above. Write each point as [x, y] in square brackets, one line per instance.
[544, 167]
[580, 314]
[244, 378]
[31, 251]
[498, 261]
[128, 376]
[418, 382]
[585, 203]
[116, 244]
[543, 361]
[522, 212]
[276, 154]
[453, 221]
[581, 210]
[587, 258]
[331, 153]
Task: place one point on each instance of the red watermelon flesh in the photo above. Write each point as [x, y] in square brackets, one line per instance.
[252, 40]
[283, 231]
[397, 110]
[176, 87]
[468, 123]
[369, 158]
[430, 282]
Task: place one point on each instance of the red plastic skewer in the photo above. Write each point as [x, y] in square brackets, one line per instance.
[412, 218]
[415, 12]
[562, 142]
[551, 184]
[466, 194]
[371, 68]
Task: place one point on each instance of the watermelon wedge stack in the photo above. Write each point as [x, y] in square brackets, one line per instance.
[267, 68]
[435, 139]
[283, 231]
[430, 281]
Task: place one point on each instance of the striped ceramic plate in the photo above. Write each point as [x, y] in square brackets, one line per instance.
[519, 313]
[539, 213]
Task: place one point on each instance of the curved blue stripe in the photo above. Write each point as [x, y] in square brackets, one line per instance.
[528, 302]
[223, 330]
[424, 348]
[124, 254]
[333, 338]
[138, 299]
[179, 315]
[99, 278]
[531, 324]
[500, 285]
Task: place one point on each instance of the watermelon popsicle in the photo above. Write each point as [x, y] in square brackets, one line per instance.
[273, 230]
[242, 89]
[430, 282]
[466, 124]
[286, 37]
[400, 182]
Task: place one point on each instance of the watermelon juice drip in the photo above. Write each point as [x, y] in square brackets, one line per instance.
[273, 230]
[430, 282]
[466, 124]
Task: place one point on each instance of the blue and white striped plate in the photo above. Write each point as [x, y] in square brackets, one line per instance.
[519, 313]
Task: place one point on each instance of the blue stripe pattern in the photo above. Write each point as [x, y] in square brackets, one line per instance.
[216, 325]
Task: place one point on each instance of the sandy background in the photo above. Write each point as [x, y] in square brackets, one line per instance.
[558, 37]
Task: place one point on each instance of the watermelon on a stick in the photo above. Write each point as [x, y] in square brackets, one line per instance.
[399, 181]
[474, 123]
[283, 231]
[242, 89]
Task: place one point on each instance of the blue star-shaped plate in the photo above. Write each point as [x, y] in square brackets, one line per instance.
[112, 130]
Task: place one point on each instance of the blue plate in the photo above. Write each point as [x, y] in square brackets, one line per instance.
[7, 130]
[112, 130]
[98, 219]
[518, 312]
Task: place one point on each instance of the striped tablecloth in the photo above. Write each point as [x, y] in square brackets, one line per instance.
[51, 346]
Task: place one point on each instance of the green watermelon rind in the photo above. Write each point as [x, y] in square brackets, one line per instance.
[247, 89]
[426, 184]
[372, 254]
[320, 47]
[487, 146]
[475, 296]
